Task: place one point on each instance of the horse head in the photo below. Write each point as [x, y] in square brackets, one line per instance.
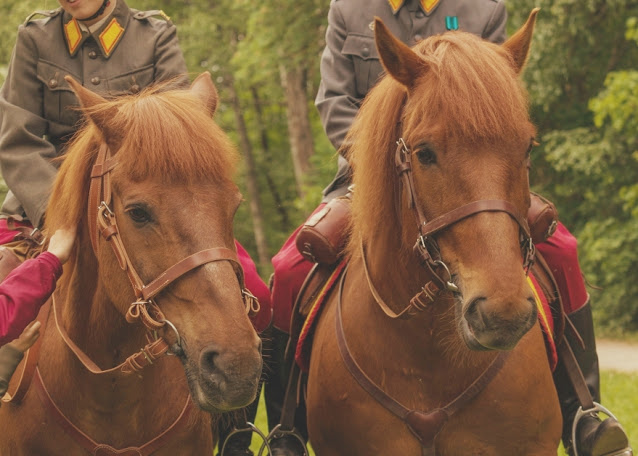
[169, 186]
[459, 115]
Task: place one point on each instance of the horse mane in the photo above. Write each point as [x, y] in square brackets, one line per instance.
[166, 133]
[469, 90]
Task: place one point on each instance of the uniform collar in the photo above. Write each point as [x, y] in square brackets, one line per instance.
[107, 35]
[426, 5]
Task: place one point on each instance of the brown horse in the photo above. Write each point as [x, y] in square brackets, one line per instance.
[165, 175]
[445, 139]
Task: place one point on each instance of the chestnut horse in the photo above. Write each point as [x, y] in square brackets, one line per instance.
[165, 175]
[443, 139]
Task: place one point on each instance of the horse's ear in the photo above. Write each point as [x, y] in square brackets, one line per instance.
[205, 90]
[100, 117]
[401, 62]
[518, 45]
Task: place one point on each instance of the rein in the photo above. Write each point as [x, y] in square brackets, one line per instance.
[424, 425]
[425, 241]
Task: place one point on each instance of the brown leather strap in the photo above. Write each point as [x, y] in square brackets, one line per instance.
[102, 449]
[418, 303]
[475, 207]
[95, 191]
[575, 374]
[136, 362]
[30, 361]
[424, 425]
[185, 265]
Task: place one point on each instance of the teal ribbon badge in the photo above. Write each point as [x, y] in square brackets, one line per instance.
[451, 23]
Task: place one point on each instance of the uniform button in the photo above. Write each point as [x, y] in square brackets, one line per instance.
[420, 14]
[95, 80]
[53, 83]
[135, 88]
[417, 38]
[365, 52]
[93, 55]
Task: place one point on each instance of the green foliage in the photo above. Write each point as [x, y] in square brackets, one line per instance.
[582, 76]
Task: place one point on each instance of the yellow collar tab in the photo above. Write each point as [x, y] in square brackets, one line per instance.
[427, 5]
[110, 36]
[73, 35]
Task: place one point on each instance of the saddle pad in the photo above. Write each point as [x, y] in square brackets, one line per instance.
[546, 320]
[304, 345]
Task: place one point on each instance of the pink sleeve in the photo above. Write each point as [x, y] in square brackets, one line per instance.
[23, 292]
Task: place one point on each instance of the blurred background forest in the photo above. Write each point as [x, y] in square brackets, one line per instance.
[583, 82]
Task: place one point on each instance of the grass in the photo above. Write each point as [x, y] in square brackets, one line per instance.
[619, 394]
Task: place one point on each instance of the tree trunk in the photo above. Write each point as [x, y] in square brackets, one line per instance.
[251, 179]
[263, 134]
[299, 132]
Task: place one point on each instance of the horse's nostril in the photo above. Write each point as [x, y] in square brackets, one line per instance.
[473, 314]
[209, 359]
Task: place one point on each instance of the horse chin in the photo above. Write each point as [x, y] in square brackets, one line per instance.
[221, 396]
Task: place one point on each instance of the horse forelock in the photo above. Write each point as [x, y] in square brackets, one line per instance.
[470, 89]
[166, 135]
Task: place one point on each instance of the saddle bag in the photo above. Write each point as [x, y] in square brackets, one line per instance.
[324, 235]
[542, 218]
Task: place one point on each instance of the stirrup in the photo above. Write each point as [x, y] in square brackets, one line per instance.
[597, 408]
[252, 429]
[277, 433]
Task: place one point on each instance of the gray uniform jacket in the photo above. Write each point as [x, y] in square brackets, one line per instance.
[350, 63]
[36, 103]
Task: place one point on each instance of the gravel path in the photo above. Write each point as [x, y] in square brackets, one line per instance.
[620, 356]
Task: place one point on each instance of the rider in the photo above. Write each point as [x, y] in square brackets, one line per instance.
[108, 47]
[22, 294]
[349, 68]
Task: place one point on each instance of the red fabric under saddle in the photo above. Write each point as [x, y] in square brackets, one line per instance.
[304, 344]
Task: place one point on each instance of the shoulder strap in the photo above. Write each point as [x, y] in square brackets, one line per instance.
[45, 13]
[141, 15]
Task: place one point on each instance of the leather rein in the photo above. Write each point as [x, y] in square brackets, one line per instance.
[144, 309]
[425, 426]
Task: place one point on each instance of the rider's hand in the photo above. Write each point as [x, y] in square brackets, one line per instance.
[27, 338]
[61, 243]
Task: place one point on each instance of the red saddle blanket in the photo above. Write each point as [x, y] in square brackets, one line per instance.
[304, 344]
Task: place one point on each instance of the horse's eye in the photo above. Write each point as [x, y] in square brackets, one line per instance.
[138, 214]
[426, 155]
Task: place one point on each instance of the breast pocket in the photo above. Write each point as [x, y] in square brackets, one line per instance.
[367, 67]
[59, 102]
[131, 82]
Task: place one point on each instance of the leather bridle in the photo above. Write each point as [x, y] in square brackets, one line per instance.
[102, 222]
[426, 247]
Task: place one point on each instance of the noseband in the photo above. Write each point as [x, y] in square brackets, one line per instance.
[426, 247]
